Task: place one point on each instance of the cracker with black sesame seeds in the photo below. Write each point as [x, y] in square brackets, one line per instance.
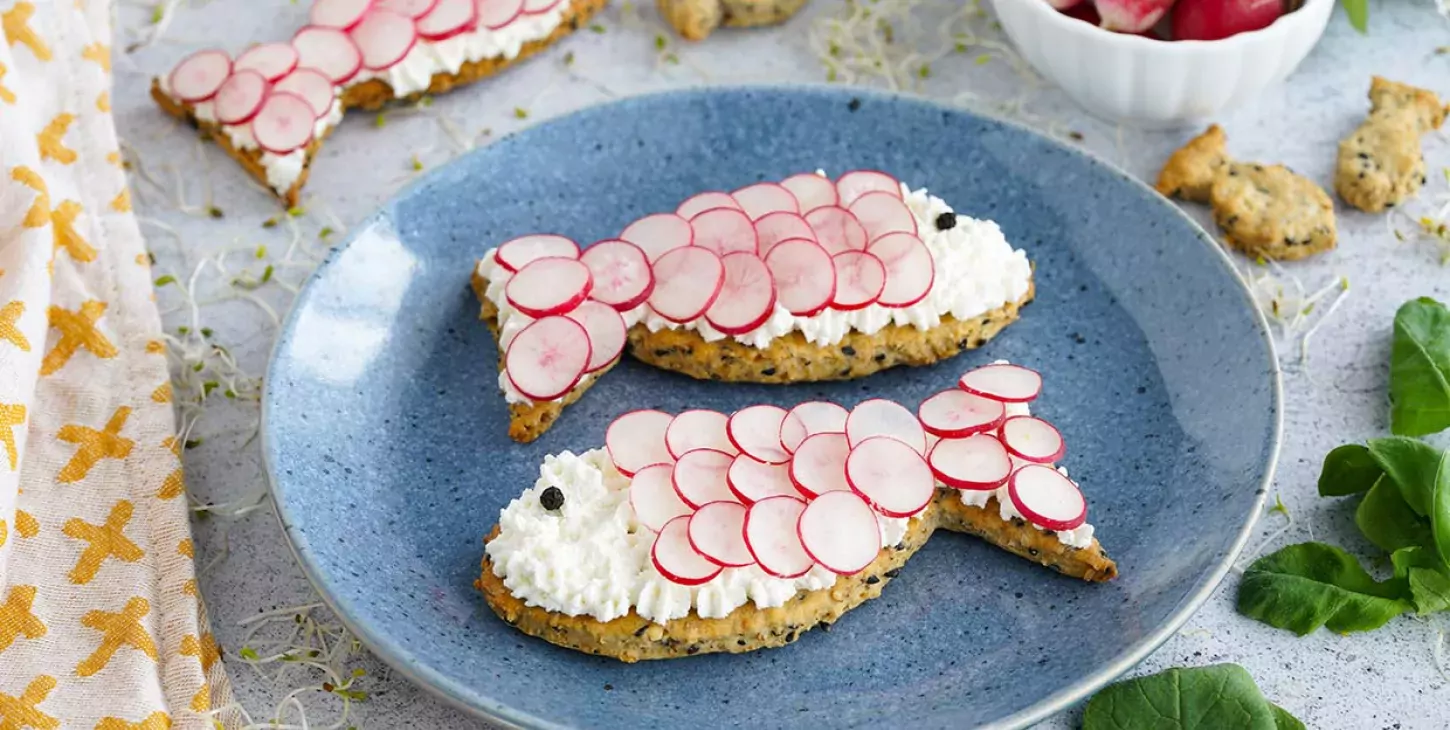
[1190, 171]
[1380, 163]
[696, 19]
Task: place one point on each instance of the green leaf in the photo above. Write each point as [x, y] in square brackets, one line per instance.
[1387, 521]
[1283, 720]
[1440, 518]
[1348, 469]
[1413, 465]
[1358, 11]
[1420, 368]
[1221, 697]
[1305, 586]
[1430, 590]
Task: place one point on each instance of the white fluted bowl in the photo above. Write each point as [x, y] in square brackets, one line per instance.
[1157, 84]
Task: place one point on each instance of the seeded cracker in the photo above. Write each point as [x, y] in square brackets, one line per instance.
[1380, 163]
[696, 19]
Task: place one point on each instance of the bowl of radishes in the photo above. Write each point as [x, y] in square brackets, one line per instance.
[1163, 63]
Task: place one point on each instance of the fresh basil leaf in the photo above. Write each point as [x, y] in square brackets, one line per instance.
[1440, 517]
[1414, 557]
[1218, 697]
[1387, 521]
[1358, 12]
[1413, 465]
[1305, 586]
[1283, 720]
[1348, 469]
[1420, 367]
[1427, 577]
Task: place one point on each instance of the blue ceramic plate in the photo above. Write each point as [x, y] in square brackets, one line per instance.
[386, 436]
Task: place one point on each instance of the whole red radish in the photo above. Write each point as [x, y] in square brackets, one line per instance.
[1132, 16]
[1063, 4]
[1211, 20]
[1083, 11]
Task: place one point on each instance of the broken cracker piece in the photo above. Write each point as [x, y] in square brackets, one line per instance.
[1380, 163]
[696, 19]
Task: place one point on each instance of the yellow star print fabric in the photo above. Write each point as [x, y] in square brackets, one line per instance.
[101, 625]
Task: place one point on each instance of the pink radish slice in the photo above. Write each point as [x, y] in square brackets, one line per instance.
[495, 14]
[881, 417]
[717, 531]
[408, 8]
[811, 190]
[342, 14]
[860, 279]
[700, 477]
[517, 253]
[755, 430]
[979, 462]
[687, 281]
[539, 7]
[1032, 439]
[653, 497]
[698, 429]
[314, 88]
[804, 275]
[780, 226]
[272, 60]
[772, 537]
[636, 440]
[890, 476]
[956, 413]
[622, 275]
[384, 37]
[702, 202]
[747, 297]
[857, 183]
[839, 531]
[607, 333]
[724, 230]
[551, 285]
[910, 270]
[240, 98]
[762, 199]
[882, 213]
[200, 75]
[751, 481]
[447, 19]
[547, 358]
[1003, 381]
[328, 50]
[809, 419]
[659, 234]
[837, 230]
[284, 123]
[819, 465]
[676, 560]
[1047, 498]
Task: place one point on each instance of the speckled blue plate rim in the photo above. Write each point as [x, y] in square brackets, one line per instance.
[471, 701]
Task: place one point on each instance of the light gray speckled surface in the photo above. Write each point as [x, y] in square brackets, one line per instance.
[1384, 679]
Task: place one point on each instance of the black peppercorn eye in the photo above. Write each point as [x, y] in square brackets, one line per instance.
[946, 221]
[552, 499]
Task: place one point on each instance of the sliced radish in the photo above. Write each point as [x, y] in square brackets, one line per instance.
[882, 213]
[517, 253]
[622, 275]
[772, 536]
[809, 419]
[272, 60]
[314, 88]
[551, 285]
[755, 430]
[910, 270]
[240, 98]
[717, 531]
[342, 14]
[687, 281]
[653, 497]
[978, 462]
[804, 275]
[698, 429]
[893, 478]
[751, 480]
[284, 123]
[607, 333]
[495, 14]
[700, 477]
[636, 440]
[956, 413]
[860, 279]
[781, 226]
[857, 183]
[837, 230]
[811, 190]
[747, 296]
[881, 417]
[724, 230]
[1047, 498]
[762, 199]
[839, 531]
[1003, 381]
[384, 37]
[539, 7]
[702, 202]
[676, 560]
[659, 234]
[819, 465]
[328, 50]
[409, 8]
[1032, 439]
[200, 75]
[447, 19]
[547, 357]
